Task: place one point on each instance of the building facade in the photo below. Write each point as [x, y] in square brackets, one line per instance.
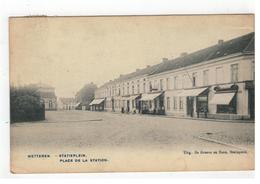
[67, 104]
[215, 82]
[47, 94]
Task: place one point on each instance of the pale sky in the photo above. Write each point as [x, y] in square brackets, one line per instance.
[68, 52]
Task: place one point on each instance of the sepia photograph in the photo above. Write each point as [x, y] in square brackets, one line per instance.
[132, 93]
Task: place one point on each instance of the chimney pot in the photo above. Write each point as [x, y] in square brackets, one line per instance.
[164, 60]
[220, 42]
[184, 54]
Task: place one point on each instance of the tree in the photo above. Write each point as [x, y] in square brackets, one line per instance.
[86, 94]
[25, 105]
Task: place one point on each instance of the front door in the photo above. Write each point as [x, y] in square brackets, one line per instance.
[113, 105]
[127, 105]
[190, 101]
[139, 106]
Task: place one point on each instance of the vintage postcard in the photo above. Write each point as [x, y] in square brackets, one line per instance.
[132, 93]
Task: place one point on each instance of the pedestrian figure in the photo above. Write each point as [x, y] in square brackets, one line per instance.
[205, 110]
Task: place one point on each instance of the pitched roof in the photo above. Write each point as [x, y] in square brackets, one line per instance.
[243, 44]
[147, 70]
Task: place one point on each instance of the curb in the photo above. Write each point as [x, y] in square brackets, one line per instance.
[199, 119]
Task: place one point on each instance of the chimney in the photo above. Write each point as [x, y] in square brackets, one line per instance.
[164, 60]
[220, 42]
[147, 66]
[184, 54]
[137, 69]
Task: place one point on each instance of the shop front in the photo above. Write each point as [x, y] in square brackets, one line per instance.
[117, 103]
[97, 104]
[225, 101]
[152, 103]
[196, 102]
[125, 104]
[135, 103]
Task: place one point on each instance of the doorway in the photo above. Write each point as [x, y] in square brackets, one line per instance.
[127, 106]
[113, 105]
[190, 109]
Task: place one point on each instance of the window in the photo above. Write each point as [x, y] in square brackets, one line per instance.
[133, 89]
[167, 83]
[206, 77]
[128, 90]
[161, 84]
[168, 103]
[194, 79]
[175, 103]
[219, 75]
[50, 104]
[138, 87]
[155, 84]
[175, 82]
[181, 103]
[230, 108]
[234, 73]
[144, 87]
[185, 81]
[150, 86]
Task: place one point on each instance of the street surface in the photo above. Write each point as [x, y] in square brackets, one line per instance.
[105, 129]
[114, 135]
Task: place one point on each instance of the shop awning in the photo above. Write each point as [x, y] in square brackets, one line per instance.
[151, 96]
[97, 101]
[192, 92]
[222, 98]
[77, 104]
[125, 97]
[133, 97]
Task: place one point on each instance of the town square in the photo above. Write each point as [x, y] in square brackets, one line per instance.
[132, 93]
